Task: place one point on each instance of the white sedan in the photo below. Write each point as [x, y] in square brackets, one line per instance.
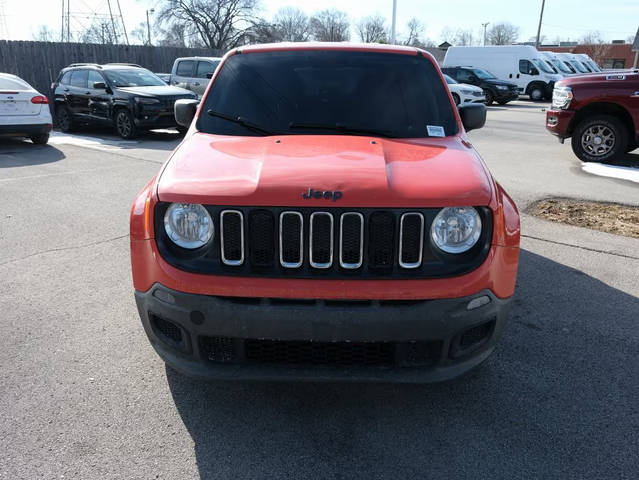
[463, 93]
[24, 112]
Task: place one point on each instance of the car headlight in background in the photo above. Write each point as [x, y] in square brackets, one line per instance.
[456, 229]
[561, 97]
[188, 225]
[467, 92]
[147, 101]
[501, 87]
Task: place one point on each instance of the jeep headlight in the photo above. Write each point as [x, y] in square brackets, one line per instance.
[456, 229]
[561, 97]
[188, 225]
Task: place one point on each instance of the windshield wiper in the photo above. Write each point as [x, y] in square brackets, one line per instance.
[338, 127]
[241, 121]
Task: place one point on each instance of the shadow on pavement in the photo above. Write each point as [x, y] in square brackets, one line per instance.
[557, 400]
[23, 153]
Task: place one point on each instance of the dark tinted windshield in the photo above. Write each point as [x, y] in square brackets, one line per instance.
[482, 74]
[135, 77]
[365, 91]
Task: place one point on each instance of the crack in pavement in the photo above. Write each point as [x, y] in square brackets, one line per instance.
[61, 249]
[580, 247]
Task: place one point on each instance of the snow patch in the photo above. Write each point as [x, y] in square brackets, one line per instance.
[612, 171]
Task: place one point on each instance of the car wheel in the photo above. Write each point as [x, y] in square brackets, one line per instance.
[602, 138]
[490, 98]
[125, 125]
[40, 139]
[64, 118]
[536, 94]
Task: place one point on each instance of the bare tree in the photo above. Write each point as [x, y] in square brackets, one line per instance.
[172, 36]
[44, 34]
[591, 38]
[599, 52]
[220, 24]
[330, 26]
[503, 33]
[140, 34]
[292, 24]
[372, 29]
[415, 31]
[459, 37]
[101, 30]
[262, 32]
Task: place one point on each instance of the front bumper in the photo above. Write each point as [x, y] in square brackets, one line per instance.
[252, 338]
[26, 130]
[506, 95]
[558, 122]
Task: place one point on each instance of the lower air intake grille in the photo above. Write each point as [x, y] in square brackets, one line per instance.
[320, 353]
[218, 349]
[169, 330]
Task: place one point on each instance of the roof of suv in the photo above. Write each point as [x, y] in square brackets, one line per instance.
[346, 46]
[105, 66]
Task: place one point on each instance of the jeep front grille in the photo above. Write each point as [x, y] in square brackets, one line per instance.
[309, 243]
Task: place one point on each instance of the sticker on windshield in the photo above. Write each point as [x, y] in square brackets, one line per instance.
[435, 131]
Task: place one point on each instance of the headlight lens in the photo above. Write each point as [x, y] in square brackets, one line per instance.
[456, 229]
[502, 87]
[561, 97]
[467, 92]
[188, 225]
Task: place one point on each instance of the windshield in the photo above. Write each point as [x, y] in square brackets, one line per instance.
[482, 74]
[593, 66]
[322, 92]
[541, 65]
[135, 77]
[551, 66]
[13, 84]
[561, 66]
[578, 66]
[449, 80]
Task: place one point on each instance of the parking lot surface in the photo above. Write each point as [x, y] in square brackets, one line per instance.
[83, 395]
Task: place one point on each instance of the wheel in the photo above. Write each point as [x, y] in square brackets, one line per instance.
[183, 130]
[536, 93]
[41, 139]
[125, 125]
[490, 98]
[64, 118]
[602, 138]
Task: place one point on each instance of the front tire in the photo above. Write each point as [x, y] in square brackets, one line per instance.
[490, 98]
[64, 118]
[41, 139]
[125, 125]
[536, 93]
[602, 138]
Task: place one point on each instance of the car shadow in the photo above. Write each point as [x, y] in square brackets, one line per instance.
[161, 139]
[15, 152]
[557, 400]
[631, 159]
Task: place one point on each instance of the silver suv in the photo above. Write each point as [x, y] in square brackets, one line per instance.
[193, 73]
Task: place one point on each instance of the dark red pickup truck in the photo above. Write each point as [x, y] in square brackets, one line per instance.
[600, 112]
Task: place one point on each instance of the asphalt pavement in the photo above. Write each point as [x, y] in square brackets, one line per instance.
[83, 395]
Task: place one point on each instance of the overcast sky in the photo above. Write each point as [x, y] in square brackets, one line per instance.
[615, 19]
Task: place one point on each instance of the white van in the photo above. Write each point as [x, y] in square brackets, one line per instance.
[559, 66]
[573, 62]
[589, 61]
[521, 64]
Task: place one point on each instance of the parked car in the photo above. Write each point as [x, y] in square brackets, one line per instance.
[463, 93]
[520, 64]
[24, 112]
[194, 73]
[325, 217]
[165, 77]
[127, 97]
[599, 113]
[495, 90]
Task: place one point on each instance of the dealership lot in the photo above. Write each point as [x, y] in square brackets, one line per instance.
[84, 396]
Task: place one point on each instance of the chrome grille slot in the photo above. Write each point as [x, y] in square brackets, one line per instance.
[411, 240]
[351, 240]
[291, 239]
[321, 240]
[232, 237]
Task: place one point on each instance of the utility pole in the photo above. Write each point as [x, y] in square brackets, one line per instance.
[148, 25]
[541, 16]
[394, 23]
[126, 37]
[485, 25]
[68, 21]
[62, 26]
[115, 32]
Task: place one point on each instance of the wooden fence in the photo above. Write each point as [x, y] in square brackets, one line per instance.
[40, 62]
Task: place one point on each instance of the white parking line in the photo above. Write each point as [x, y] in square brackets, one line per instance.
[613, 171]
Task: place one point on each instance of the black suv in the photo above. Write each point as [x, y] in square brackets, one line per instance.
[126, 96]
[496, 90]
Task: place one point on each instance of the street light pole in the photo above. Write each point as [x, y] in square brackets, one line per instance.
[148, 25]
[485, 25]
[541, 15]
[393, 24]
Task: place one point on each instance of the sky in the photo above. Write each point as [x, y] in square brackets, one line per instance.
[568, 19]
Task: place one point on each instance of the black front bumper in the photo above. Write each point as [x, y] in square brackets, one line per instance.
[506, 95]
[387, 341]
[25, 130]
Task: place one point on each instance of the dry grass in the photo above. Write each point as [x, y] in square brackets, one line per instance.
[606, 217]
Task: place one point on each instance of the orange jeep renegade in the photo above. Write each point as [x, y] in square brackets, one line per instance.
[325, 217]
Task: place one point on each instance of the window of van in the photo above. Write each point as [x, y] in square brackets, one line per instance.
[542, 66]
[527, 68]
[185, 68]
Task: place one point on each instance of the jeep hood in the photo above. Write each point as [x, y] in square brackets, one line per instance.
[370, 172]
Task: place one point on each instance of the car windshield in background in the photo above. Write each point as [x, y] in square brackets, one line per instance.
[542, 66]
[13, 84]
[578, 66]
[135, 77]
[561, 66]
[449, 80]
[329, 93]
[482, 74]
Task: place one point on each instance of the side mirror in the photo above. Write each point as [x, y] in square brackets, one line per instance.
[184, 110]
[209, 75]
[473, 116]
[99, 86]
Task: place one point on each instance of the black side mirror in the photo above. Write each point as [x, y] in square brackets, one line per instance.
[99, 86]
[209, 75]
[473, 116]
[184, 110]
